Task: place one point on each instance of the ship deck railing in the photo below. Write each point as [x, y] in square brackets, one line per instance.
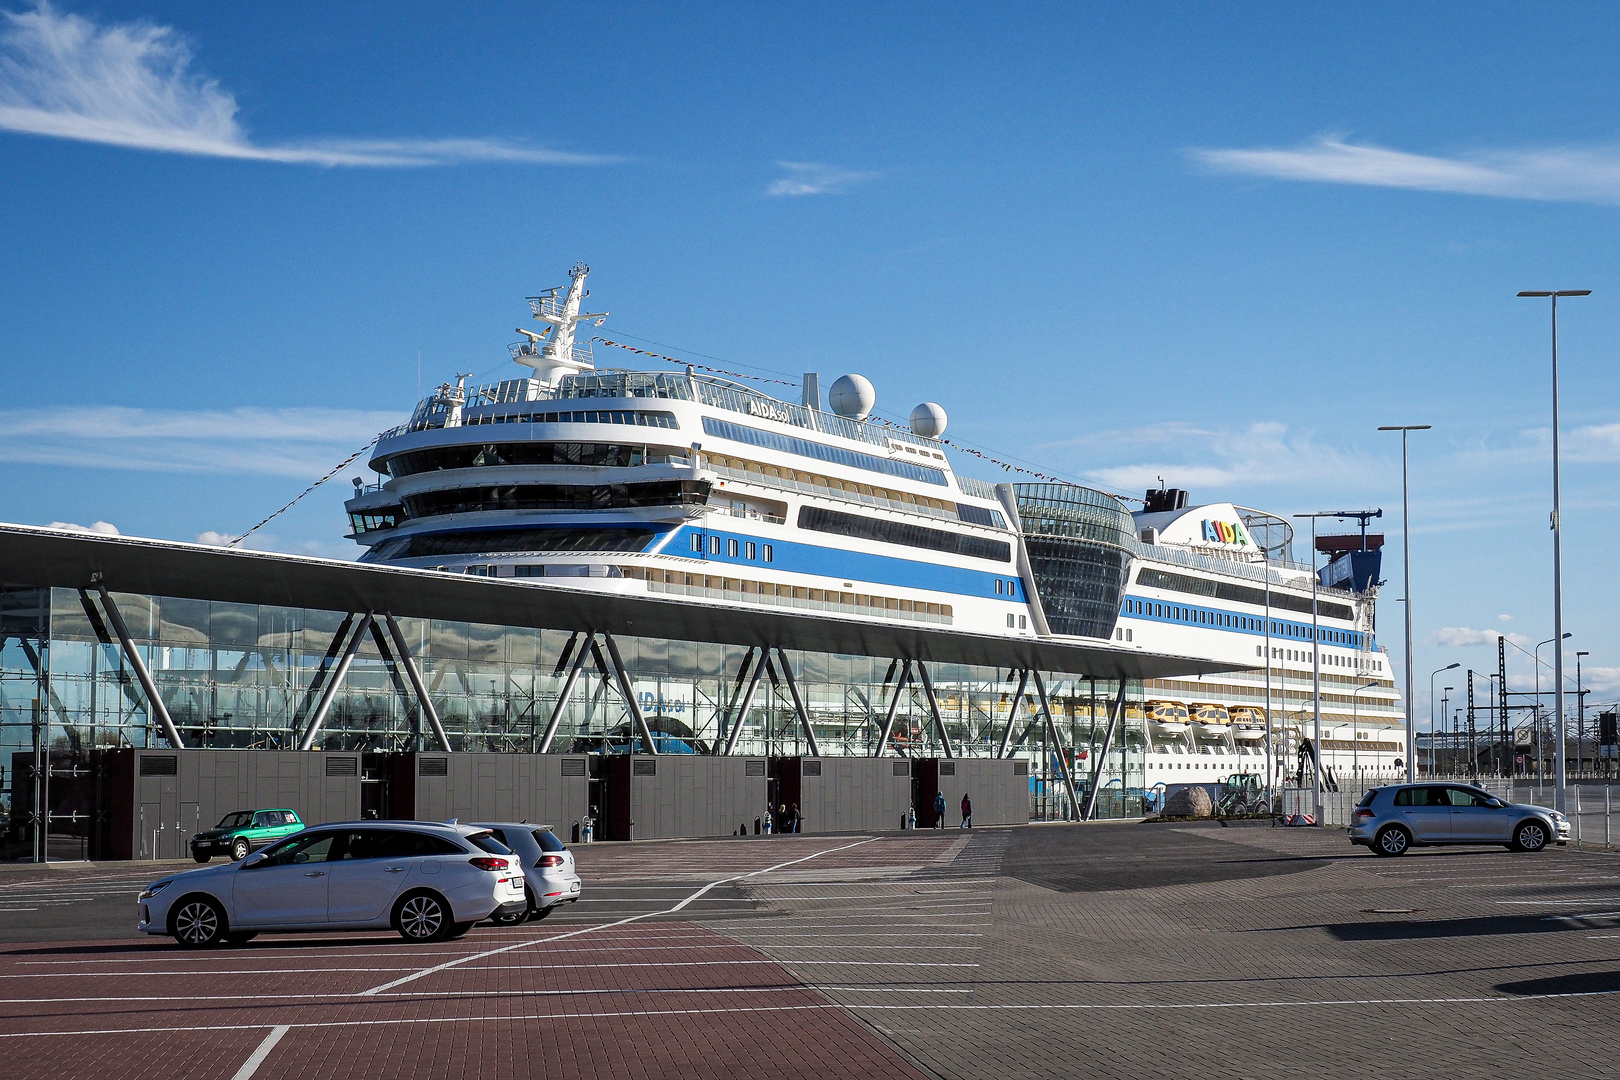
[790, 484]
[673, 589]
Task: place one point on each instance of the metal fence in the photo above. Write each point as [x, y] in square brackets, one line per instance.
[1337, 806]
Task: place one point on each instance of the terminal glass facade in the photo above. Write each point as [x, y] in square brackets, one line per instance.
[245, 676]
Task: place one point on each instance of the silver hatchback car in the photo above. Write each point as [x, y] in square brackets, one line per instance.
[1391, 820]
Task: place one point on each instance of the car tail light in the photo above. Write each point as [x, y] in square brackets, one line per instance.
[549, 860]
[1364, 811]
[484, 862]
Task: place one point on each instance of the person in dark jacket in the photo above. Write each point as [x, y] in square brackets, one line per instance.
[967, 811]
[939, 809]
[793, 818]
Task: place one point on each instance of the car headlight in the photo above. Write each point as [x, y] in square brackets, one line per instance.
[1556, 816]
[153, 889]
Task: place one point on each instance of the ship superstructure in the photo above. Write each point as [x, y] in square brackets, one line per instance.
[686, 483]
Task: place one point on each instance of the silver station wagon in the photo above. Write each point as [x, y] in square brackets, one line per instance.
[1391, 820]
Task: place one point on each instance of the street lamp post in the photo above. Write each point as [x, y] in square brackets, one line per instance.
[1406, 557]
[1560, 777]
[1445, 710]
[1411, 747]
[1580, 716]
[1540, 718]
[1355, 727]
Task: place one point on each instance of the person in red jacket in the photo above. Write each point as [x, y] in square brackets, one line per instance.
[967, 811]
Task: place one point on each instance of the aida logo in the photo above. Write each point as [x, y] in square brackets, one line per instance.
[1225, 532]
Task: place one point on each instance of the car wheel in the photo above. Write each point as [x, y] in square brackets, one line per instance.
[200, 857]
[1531, 836]
[1262, 807]
[422, 917]
[1391, 840]
[196, 922]
[240, 937]
[240, 849]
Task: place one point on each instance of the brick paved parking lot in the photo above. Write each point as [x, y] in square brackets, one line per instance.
[1044, 951]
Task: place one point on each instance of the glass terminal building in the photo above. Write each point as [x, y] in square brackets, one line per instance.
[113, 643]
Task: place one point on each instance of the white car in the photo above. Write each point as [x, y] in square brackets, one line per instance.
[429, 882]
[547, 864]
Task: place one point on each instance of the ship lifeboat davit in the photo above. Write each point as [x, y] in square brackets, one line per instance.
[1167, 719]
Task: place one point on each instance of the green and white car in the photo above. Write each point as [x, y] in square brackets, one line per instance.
[242, 831]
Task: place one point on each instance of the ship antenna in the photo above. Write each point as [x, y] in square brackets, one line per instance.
[560, 356]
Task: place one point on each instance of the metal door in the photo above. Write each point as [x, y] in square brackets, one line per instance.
[151, 828]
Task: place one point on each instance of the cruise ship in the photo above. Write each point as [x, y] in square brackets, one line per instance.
[692, 483]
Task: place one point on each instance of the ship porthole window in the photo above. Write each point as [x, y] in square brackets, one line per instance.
[753, 550]
[1023, 622]
[1130, 635]
[1009, 620]
[697, 541]
[714, 545]
[768, 555]
[731, 548]
[998, 586]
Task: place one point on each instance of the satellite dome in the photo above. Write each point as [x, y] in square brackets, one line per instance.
[852, 396]
[928, 420]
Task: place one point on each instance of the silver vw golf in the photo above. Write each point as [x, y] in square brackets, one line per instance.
[1391, 820]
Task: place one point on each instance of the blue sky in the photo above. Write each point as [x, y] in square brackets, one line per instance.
[1218, 244]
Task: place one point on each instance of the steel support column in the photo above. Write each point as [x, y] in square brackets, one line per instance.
[894, 705]
[1012, 712]
[1052, 733]
[747, 702]
[798, 704]
[153, 699]
[629, 694]
[933, 709]
[403, 653]
[727, 718]
[1115, 716]
[329, 692]
[567, 690]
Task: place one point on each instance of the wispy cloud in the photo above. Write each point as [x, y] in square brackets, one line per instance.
[1559, 174]
[808, 178]
[268, 442]
[1266, 454]
[1460, 636]
[131, 85]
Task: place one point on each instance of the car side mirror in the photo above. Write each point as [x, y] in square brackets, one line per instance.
[256, 859]
[1495, 803]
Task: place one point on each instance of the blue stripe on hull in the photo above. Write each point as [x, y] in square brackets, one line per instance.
[846, 565]
[1240, 622]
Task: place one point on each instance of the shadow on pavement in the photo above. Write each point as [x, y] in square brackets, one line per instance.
[1591, 982]
[1104, 858]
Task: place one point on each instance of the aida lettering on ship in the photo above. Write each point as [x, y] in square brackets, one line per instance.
[688, 483]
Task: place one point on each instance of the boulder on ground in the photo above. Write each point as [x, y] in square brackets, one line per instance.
[1189, 802]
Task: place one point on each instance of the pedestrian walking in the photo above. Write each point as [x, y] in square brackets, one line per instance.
[767, 822]
[793, 818]
[939, 809]
[967, 811]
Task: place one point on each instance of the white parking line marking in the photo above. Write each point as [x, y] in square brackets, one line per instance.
[574, 933]
[251, 1065]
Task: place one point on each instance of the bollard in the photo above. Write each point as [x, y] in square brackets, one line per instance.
[1577, 814]
[1606, 790]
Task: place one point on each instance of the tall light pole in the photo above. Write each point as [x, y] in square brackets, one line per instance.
[1406, 557]
[1411, 747]
[1316, 637]
[1560, 777]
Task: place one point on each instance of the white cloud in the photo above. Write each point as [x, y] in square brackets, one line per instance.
[1589, 175]
[1504, 618]
[808, 178]
[275, 442]
[131, 85]
[101, 528]
[1604, 680]
[1457, 636]
[215, 539]
[1201, 458]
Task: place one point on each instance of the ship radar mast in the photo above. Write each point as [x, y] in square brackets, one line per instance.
[552, 352]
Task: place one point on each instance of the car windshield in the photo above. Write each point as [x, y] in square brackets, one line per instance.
[548, 841]
[235, 820]
[485, 841]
